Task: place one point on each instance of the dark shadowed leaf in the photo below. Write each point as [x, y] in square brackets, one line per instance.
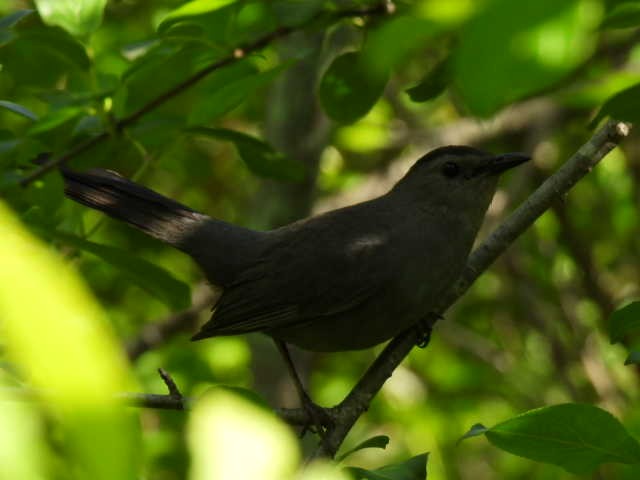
[433, 84]
[78, 17]
[55, 119]
[260, 157]
[623, 15]
[228, 88]
[19, 109]
[514, 49]
[623, 321]
[413, 469]
[633, 358]
[348, 89]
[475, 431]
[151, 278]
[624, 105]
[379, 441]
[576, 437]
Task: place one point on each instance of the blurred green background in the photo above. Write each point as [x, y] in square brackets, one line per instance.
[327, 130]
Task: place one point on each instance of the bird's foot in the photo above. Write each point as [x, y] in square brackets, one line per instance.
[318, 418]
[424, 327]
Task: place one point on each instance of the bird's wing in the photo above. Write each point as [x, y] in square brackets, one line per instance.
[310, 274]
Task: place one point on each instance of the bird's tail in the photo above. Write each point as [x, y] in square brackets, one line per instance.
[154, 214]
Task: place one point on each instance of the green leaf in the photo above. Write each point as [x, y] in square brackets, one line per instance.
[78, 17]
[62, 345]
[228, 88]
[624, 321]
[475, 431]
[623, 15]
[413, 469]
[54, 119]
[191, 10]
[512, 50]
[633, 358]
[19, 109]
[153, 279]
[379, 441]
[433, 84]
[348, 89]
[230, 437]
[576, 437]
[623, 106]
[260, 157]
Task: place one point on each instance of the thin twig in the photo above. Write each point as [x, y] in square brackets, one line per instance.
[381, 8]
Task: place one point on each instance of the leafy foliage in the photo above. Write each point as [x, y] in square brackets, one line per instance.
[252, 111]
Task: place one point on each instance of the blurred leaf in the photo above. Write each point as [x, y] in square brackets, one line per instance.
[78, 17]
[158, 71]
[19, 109]
[12, 19]
[576, 437]
[62, 345]
[153, 279]
[624, 15]
[389, 45]
[295, 12]
[624, 321]
[228, 88]
[190, 10]
[348, 90]
[54, 119]
[323, 470]
[413, 469]
[21, 438]
[633, 358]
[260, 157]
[622, 106]
[230, 437]
[475, 431]
[379, 441]
[512, 50]
[433, 84]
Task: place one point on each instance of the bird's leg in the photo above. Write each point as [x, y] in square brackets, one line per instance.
[424, 327]
[317, 415]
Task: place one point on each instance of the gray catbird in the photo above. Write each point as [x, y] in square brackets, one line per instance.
[344, 280]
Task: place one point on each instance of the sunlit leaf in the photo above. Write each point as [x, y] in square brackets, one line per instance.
[348, 90]
[260, 157]
[78, 17]
[576, 437]
[21, 438]
[513, 49]
[413, 469]
[62, 345]
[19, 109]
[230, 437]
[190, 10]
[623, 321]
[379, 441]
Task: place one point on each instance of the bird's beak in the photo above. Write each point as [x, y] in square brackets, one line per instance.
[505, 161]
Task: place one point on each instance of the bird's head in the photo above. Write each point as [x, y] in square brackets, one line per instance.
[459, 177]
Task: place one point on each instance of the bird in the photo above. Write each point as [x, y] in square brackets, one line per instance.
[347, 279]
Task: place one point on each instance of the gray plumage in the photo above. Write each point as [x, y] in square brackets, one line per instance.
[345, 280]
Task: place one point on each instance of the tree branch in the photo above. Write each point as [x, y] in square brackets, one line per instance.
[382, 8]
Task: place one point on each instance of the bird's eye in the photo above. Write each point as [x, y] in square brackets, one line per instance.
[450, 169]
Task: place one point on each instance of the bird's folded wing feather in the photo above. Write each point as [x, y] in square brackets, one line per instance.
[295, 283]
